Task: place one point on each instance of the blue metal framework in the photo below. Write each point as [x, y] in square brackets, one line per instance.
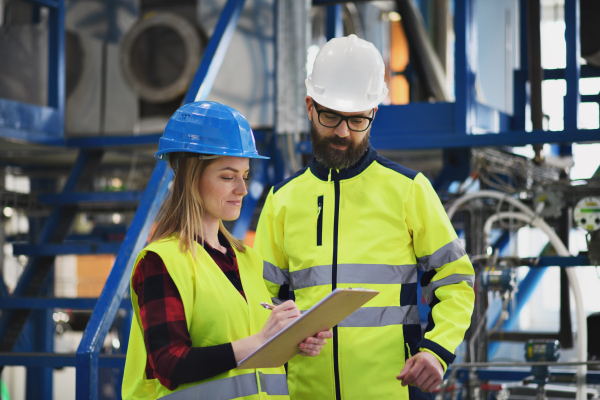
[40, 123]
[45, 125]
[118, 280]
[504, 374]
[464, 123]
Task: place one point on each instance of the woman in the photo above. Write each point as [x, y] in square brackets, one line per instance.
[195, 289]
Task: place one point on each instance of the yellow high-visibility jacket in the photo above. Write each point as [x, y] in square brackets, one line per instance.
[215, 313]
[369, 226]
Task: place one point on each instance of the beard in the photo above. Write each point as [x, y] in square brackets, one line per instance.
[334, 158]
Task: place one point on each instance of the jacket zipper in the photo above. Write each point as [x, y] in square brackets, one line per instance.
[320, 222]
[336, 219]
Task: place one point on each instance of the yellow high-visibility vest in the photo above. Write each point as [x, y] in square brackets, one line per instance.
[215, 313]
[371, 225]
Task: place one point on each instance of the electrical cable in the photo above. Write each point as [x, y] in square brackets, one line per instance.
[500, 320]
[562, 251]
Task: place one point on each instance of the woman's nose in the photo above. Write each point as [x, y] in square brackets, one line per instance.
[240, 188]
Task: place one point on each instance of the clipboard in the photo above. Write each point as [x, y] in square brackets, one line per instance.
[324, 315]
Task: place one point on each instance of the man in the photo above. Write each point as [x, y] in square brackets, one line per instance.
[355, 219]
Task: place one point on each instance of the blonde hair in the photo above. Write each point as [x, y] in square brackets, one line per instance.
[182, 211]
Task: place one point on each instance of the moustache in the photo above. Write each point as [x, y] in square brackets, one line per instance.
[338, 141]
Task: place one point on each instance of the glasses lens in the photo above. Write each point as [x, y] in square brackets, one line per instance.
[358, 124]
[329, 120]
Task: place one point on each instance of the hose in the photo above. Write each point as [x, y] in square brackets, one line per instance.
[489, 194]
[562, 251]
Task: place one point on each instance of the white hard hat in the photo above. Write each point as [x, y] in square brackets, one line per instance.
[348, 75]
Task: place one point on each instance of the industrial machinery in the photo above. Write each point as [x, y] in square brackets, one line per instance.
[89, 87]
[541, 351]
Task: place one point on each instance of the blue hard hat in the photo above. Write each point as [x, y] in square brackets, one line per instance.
[207, 127]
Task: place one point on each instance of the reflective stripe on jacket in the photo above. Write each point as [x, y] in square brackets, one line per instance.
[216, 313]
[369, 226]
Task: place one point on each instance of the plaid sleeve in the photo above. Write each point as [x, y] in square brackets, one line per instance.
[171, 358]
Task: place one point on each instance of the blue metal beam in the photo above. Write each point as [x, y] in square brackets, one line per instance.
[118, 280]
[39, 380]
[549, 261]
[465, 66]
[334, 24]
[590, 98]
[28, 122]
[56, 61]
[386, 140]
[90, 197]
[46, 3]
[330, 2]
[586, 71]
[57, 360]
[521, 75]
[215, 52]
[518, 374]
[39, 303]
[112, 141]
[416, 118]
[451, 140]
[67, 248]
[573, 69]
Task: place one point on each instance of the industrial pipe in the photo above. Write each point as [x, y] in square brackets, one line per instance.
[562, 251]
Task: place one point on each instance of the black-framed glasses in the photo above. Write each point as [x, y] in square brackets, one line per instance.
[330, 119]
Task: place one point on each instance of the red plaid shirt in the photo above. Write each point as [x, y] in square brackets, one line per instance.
[171, 358]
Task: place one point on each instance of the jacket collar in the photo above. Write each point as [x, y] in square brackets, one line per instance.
[322, 172]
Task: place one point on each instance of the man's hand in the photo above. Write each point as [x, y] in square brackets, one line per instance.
[423, 370]
[312, 346]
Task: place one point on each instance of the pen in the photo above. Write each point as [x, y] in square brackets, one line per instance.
[267, 305]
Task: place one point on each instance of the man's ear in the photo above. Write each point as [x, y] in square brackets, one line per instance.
[375, 111]
[309, 105]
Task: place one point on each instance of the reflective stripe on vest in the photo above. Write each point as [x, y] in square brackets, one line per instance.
[446, 254]
[449, 280]
[354, 273]
[273, 274]
[273, 384]
[233, 388]
[381, 316]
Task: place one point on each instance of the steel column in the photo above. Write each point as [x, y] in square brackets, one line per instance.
[334, 23]
[521, 75]
[465, 66]
[573, 69]
[39, 379]
[56, 62]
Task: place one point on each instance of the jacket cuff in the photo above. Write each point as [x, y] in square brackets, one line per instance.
[441, 353]
[444, 365]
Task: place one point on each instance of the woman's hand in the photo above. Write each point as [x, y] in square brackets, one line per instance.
[311, 346]
[281, 316]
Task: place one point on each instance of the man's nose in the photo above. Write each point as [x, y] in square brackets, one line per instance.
[342, 129]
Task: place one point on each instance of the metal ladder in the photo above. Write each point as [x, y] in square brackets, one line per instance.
[26, 301]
